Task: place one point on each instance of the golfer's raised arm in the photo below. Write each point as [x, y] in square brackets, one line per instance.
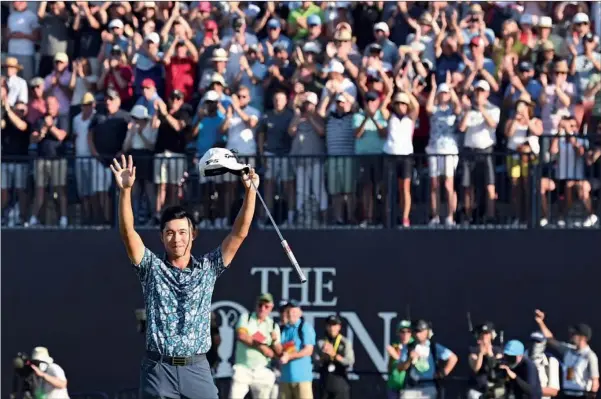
[125, 176]
[243, 221]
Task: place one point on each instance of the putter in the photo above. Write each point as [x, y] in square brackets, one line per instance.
[284, 243]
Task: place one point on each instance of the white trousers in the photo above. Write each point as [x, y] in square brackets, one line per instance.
[259, 381]
[310, 179]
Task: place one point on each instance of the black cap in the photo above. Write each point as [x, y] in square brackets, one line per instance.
[290, 303]
[116, 49]
[375, 47]
[582, 329]
[421, 325]
[371, 96]
[333, 320]
[177, 94]
[238, 22]
[280, 46]
[110, 93]
[525, 66]
[484, 328]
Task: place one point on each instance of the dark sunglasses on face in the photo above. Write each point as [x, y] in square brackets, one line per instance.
[242, 96]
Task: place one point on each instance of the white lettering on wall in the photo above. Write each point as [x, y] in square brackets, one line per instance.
[320, 286]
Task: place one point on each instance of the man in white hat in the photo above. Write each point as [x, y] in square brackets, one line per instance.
[177, 286]
[17, 86]
[57, 84]
[219, 60]
[52, 383]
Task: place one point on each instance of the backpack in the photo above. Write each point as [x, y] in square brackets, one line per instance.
[301, 335]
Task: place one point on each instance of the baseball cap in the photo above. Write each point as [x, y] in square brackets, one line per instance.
[477, 41]
[211, 95]
[443, 88]
[116, 49]
[311, 97]
[525, 66]
[283, 305]
[335, 66]
[61, 57]
[403, 325]
[293, 303]
[217, 78]
[204, 6]
[177, 94]
[211, 25]
[485, 328]
[383, 26]
[583, 330]
[421, 325]
[116, 23]
[537, 336]
[580, 18]
[333, 320]
[152, 37]
[312, 47]
[274, 23]
[343, 35]
[371, 96]
[401, 97]
[280, 46]
[313, 20]
[148, 83]
[547, 45]
[35, 82]
[265, 297]
[110, 93]
[527, 19]
[514, 348]
[545, 22]
[341, 98]
[139, 112]
[375, 47]
[483, 85]
[88, 98]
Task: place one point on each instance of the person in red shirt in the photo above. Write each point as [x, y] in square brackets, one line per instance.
[180, 67]
[118, 75]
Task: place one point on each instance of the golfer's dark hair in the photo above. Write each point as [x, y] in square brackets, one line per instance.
[174, 213]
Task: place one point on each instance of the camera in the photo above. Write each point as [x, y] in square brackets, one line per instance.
[22, 364]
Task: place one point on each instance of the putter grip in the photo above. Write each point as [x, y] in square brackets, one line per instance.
[294, 262]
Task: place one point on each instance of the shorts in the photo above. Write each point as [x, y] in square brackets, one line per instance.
[14, 175]
[278, 167]
[169, 167]
[340, 175]
[50, 171]
[92, 177]
[402, 165]
[442, 165]
[247, 159]
[371, 170]
[293, 390]
[478, 163]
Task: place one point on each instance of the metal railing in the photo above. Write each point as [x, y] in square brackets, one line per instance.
[559, 187]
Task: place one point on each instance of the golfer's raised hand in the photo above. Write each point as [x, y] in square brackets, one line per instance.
[125, 173]
[246, 179]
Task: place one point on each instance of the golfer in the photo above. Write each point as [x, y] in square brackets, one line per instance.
[177, 290]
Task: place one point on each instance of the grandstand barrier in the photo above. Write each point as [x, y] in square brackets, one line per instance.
[359, 179]
[75, 292]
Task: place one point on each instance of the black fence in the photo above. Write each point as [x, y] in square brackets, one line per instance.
[558, 187]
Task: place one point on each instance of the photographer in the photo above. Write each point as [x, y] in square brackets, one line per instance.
[421, 361]
[581, 365]
[522, 376]
[335, 356]
[546, 364]
[51, 382]
[484, 361]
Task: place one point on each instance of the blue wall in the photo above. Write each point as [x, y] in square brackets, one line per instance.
[74, 292]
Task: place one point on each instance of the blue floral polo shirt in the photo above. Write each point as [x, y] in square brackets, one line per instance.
[178, 302]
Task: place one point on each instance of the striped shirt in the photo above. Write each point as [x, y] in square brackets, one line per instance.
[340, 135]
[570, 164]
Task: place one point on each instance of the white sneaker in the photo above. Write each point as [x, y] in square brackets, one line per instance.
[63, 222]
[449, 222]
[543, 222]
[561, 223]
[33, 221]
[590, 221]
[435, 221]
[225, 222]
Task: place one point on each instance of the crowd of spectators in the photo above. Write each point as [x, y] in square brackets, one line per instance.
[343, 106]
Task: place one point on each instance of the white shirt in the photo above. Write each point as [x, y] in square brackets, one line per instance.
[149, 133]
[24, 22]
[17, 90]
[240, 136]
[81, 129]
[519, 137]
[478, 134]
[49, 390]
[400, 136]
[585, 365]
[548, 372]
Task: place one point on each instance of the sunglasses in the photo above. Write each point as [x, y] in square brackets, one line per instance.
[242, 96]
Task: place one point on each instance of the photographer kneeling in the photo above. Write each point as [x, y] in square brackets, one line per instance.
[522, 376]
[51, 382]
